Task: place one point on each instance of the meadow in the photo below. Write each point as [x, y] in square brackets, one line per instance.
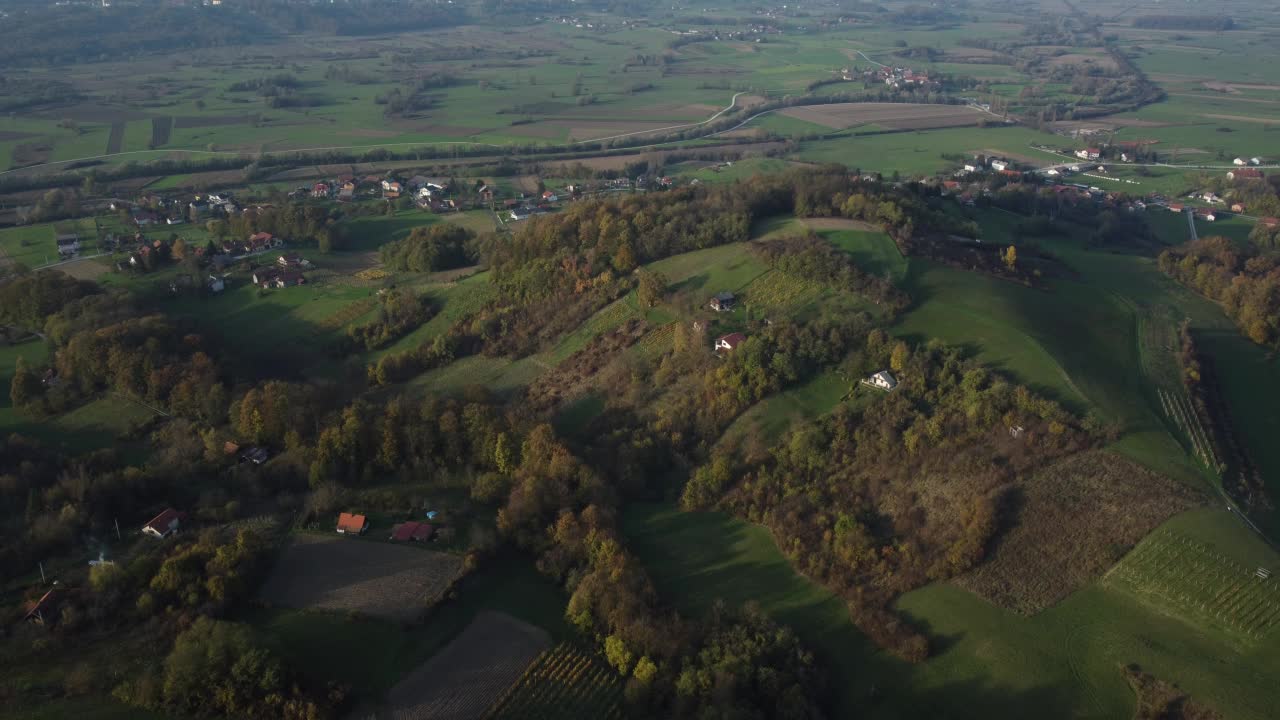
[988, 662]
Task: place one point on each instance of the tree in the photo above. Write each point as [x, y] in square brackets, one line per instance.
[179, 249]
[652, 285]
[901, 355]
[25, 388]
[1011, 258]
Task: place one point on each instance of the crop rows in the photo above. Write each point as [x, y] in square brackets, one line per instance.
[1173, 571]
[564, 682]
[659, 341]
[609, 318]
[775, 290]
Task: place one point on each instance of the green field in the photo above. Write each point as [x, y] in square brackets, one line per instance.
[987, 662]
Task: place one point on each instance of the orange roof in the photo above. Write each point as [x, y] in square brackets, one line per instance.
[348, 522]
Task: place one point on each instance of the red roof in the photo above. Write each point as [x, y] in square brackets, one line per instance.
[258, 237]
[1247, 173]
[1270, 222]
[733, 340]
[164, 522]
[1011, 173]
[351, 523]
[411, 530]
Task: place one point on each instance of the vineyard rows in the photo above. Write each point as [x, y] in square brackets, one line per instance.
[609, 318]
[659, 341]
[563, 682]
[780, 291]
[1192, 579]
[1179, 409]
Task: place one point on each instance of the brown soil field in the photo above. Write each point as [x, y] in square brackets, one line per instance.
[470, 673]
[32, 153]
[1104, 503]
[85, 269]
[339, 573]
[200, 121]
[890, 115]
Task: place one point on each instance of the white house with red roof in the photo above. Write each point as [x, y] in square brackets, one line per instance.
[164, 524]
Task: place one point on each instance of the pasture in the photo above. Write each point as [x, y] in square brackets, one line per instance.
[467, 675]
[379, 579]
[1063, 662]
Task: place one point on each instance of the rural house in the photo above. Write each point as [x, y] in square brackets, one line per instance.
[1237, 207]
[723, 302]
[352, 524]
[882, 380]
[999, 165]
[1089, 154]
[390, 189]
[320, 190]
[730, 342]
[68, 244]
[164, 524]
[1239, 162]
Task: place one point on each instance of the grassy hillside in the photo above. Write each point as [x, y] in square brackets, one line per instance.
[988, 662]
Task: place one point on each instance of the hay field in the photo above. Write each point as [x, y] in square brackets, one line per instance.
[338, 573]
[470, 673]
[897, 116]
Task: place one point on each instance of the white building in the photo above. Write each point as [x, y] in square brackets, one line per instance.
[882, 380]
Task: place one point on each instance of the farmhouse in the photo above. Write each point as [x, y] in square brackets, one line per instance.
[68, 244]
[352, 524]
[1206, 214]
[320, 190]
[970, 168]
[390, 189]
[1237, 207]
[164, 524]
[1245, 174]
[882, 380]
[1089, 154]
[723, 302]
[999, 165]
[288, 279]
[730, 342]
[1239, 162]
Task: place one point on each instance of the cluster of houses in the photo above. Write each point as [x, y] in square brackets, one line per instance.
[894, 77]
[992, 164]
[286, 272]
[409, 531]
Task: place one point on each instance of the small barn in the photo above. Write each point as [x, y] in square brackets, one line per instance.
[723, 302]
